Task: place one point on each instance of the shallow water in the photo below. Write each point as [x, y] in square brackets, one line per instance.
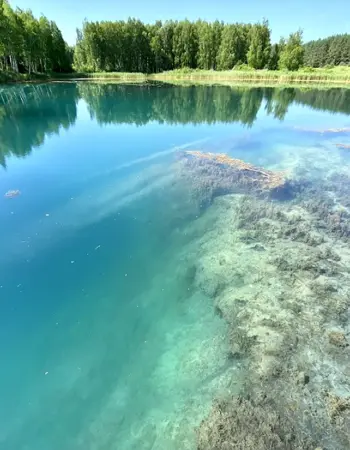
[106, 342]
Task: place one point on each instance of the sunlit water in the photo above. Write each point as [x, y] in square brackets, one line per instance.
[104, 342]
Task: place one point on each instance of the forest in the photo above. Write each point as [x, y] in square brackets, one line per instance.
[32, 45]
[133, 46]
[332, 51]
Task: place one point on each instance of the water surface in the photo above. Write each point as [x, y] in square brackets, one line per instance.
[106, 341]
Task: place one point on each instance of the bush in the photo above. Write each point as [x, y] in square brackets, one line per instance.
[307, 69]
[242, 66]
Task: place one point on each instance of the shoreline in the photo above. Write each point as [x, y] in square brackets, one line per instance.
[319, 77]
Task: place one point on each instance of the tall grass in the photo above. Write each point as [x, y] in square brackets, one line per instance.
[101, 76]
[306, 75]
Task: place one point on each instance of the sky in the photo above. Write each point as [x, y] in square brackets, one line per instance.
[317, 18]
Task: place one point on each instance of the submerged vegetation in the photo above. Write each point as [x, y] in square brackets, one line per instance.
[235, 172]
[277, 273]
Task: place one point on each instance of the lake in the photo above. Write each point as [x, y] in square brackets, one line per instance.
[139, 282]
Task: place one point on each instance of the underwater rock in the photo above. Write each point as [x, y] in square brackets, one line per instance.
[337, 405]
[303, 378]
[329, 202]
[276, 316]
[338, 339]
[258, 248]
[246, 424]
[210, 286]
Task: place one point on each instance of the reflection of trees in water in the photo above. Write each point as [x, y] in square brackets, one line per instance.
[29, 113]
[110, 103]
[334, 100]
[175, 104]
[278, 101]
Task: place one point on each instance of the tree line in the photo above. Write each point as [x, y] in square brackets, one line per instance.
[332, 51]
[142, 104]
[30, 45]
[132, 46]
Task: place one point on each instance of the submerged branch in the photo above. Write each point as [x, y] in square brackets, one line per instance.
[263, 179]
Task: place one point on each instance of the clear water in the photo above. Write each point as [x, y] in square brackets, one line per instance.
[104, 342]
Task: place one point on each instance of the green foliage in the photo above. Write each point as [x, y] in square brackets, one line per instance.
[260, 46]
[332, 51]
[292, 52]
[243, 67]
[185, 44]
[116, 46]
[30, 45]
[233, 47]
[308, 69]
[131, 46]
[274, 57]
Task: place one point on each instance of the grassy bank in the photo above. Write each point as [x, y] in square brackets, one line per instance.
[121, 76]
[303, 76]
[339, 76]
[13, 77]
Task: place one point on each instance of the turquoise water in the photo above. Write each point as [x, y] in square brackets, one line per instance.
[106, 343]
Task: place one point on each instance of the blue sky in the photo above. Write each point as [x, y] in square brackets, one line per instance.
[318, 18]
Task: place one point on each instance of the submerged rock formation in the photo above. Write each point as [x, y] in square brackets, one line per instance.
[284, 285]
[278, 273]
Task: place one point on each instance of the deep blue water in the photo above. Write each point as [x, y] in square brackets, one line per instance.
[98, 324]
